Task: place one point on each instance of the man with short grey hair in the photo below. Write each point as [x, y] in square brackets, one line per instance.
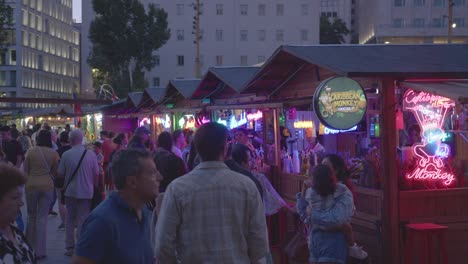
[81, 171]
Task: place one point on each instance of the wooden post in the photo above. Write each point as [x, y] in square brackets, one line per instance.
[390, 214]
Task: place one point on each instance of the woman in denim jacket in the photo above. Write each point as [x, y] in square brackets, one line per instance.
[327, 207]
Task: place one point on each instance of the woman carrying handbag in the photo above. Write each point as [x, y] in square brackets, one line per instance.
[40, 166]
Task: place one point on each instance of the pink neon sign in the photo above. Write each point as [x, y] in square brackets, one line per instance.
[430, 111]
[255, 116]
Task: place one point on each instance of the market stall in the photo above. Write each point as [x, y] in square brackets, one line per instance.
[369, 103]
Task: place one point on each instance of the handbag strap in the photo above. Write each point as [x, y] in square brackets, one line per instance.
[76, 170]
[47, 164]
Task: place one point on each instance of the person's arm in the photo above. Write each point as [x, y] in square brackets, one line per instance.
[257, 241]
[61, 167]
[53, 169]
[26, 164]
[166, 228]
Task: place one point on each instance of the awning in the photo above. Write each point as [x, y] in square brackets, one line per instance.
[456, 90]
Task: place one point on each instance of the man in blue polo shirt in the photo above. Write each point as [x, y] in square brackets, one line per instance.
[118, 230]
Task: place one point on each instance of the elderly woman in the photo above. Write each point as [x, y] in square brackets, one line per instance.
[13, 245]
[40, 166]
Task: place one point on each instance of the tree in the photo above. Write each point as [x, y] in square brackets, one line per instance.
[124, 36]
[6, 21]
[332, 32]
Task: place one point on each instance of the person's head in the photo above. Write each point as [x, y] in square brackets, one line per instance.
[414, 134]
[165, 141]
[120, 140]
[13, 126]
[179, 138]
[24, 133]
[97, 147]
[67, 127]
[5, 132]
[324, 182]
[64, 138]
[111, 134]
[188, 133]
[241, 154]
[14, 133]
[337, 165]
[241, 136]
[104, 135]
[142, 133]
[134, 171]
[11, 179]
[44, 138]
[47, 127]
[211, 141]
[76, 137]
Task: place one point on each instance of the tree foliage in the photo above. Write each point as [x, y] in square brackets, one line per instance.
[332, 32]
[6, 20]
[124, 36]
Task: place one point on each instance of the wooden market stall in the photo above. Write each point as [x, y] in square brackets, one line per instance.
[382, 212]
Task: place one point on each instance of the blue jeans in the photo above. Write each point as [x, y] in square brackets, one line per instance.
[328, 246]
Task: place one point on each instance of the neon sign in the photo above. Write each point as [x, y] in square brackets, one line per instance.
[255, 116]
[145, 121]
[328, 131]
[165, 121]
[430, 111]
[303, 124]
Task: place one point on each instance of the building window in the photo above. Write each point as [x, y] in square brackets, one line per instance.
[25, 17]
[219, 60]
[439, 3]
[180, 60]
[3, 81]
[261, 10]
[180, 9]
[304, 35]
[261, 35]
[180, 34]
[279, 35]
[219, 9]
[219, 35]
[304, 9]
[260, 59]
[279, 9]
[243, 35]
[438, 22]
[459, 3]
[2, 58]
[244, 9]
[419, 2]
[418, 22]
[397, 23]
[399, 3]
[459, 21]
[157, 60]
[156, 81]
[243, 60]
[334, 14]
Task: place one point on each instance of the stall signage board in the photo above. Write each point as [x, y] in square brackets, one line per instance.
[340, 103]
[430, 154]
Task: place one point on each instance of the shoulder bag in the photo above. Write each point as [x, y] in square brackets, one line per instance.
[71, 177]
[55, 180]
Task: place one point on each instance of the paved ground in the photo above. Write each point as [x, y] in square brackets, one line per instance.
[55, 241]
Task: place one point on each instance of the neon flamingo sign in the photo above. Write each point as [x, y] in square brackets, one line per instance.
[430, 111]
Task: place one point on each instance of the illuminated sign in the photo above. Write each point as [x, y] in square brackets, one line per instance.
[187, 122]
[165, 121]
[303, 124]
[430, 111]
[340, 103]
[328, 131]
[255, 116]
[145, 121]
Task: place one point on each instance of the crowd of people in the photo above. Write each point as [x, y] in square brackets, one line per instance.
[186, 198]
